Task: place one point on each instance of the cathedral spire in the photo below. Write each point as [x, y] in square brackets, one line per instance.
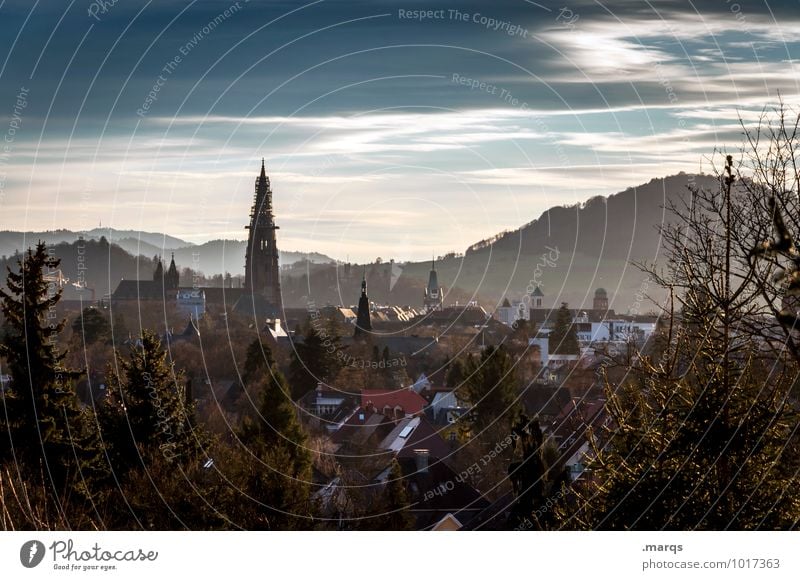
[262, 273]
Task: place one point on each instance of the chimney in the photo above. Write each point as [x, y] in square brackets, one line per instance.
[422, 456]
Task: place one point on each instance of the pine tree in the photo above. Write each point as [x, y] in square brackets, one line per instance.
[92, 326]
[537, 477]
[392, 504]
[275, 465]
[45, 428]
[147, 408]
[490, 389]
[313, 361]
[258, 361]
[563, 338]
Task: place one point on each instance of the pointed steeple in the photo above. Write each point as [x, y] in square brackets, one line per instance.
[172, 278]
[363, 322]
[158, 274]
[262, 271]
[434, 296]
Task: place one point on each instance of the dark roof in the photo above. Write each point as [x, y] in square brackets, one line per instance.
[255, 305]
[357, 430]
[425, 436]
[140, 290]
[537, 292]
[154, 290]
[460, 499]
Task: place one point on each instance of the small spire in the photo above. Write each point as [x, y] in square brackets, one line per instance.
[263, 169]
[364, 282]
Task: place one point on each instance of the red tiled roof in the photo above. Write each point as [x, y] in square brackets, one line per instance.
[408, 400]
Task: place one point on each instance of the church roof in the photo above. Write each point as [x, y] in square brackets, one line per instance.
[537, 292]
[255, 305]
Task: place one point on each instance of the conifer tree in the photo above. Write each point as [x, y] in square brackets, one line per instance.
[392, 504]
[274, 466]
[44, 430]
[490, 389]
[147, 408]
[313, 361]
[563, 338]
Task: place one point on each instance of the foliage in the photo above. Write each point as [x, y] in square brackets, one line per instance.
[563, 338]
[45, 431]
[490, 389]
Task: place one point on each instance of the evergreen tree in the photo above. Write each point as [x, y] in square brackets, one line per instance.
[563, 338]
[258, 361]
[44, 430]
[537, 477]
[392, 504]
[313, 360]
[274, 468]
[92, 326]
[490, 389]
[147, 408]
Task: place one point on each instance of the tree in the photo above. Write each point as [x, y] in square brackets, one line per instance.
[147, 408]
[490, 389]
[47, 432]
[702, 435]
[92, 326]
[314, 360]
[392, 504]
[538, 477]
[563, 338]
[258, 361]
[274, 465]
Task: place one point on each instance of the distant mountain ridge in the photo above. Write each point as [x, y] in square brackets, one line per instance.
[569, 251]
[213, 257]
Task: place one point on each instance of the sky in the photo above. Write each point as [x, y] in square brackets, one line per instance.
[391, 129]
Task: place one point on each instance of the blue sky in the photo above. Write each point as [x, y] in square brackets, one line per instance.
[386, 133]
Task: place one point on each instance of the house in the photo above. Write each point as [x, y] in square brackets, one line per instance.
[421, 384]
[394, 404]
[449, 523]
[362, 427]
[327, 406]
[445, 408]
[413, 435]
[191, 302]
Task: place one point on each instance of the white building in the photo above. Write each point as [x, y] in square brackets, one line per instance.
[192, 302]
[510, 312]
[612, 330]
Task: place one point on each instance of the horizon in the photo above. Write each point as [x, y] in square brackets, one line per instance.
[386, 132]
[339, 259]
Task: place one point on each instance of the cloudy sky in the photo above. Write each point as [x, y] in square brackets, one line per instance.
[387, 132]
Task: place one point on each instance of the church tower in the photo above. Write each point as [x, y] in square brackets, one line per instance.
[172, 278]
[434, 297]
[600, 302]
[262, 274]
[363, 322]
